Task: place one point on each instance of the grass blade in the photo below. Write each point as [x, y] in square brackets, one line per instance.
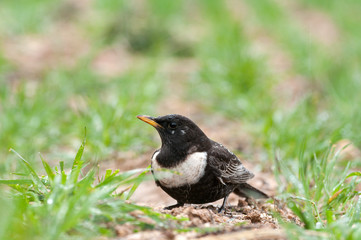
[47, 168]
[79, 154]
[354, 174]
[78, 163]
[33, 174]
[139, 180]
[121, 178]
[17, 181]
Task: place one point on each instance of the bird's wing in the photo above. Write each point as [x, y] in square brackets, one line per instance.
[227, 167]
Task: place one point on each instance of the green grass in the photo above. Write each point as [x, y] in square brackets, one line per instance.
[233, 77]
[46, 111]
[316, 183]
[75, 203]
[19, 20]
[66, 101]
[321, 193]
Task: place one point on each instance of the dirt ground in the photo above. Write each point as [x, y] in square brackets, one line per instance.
[242, 220]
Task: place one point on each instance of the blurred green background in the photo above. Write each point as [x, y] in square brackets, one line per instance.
[287, 71]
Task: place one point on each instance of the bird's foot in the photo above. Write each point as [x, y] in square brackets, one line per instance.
[174, 206]
[223, 207]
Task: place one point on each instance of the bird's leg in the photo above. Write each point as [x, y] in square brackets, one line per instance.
[174, 206]
[223, 204]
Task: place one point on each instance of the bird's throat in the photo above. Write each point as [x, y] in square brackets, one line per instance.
[170, 157]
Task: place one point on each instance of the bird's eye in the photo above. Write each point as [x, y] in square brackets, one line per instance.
[172, 125]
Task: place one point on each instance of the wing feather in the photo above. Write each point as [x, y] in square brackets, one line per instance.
[227, 167]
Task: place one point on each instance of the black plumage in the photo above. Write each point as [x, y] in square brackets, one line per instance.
[192, 168]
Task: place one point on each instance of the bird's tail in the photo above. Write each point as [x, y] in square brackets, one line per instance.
[247, 191]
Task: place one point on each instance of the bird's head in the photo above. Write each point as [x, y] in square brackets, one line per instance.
[178, 132]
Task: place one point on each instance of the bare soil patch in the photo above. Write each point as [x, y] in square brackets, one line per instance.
[316, 23]
[241, 220]
[32, 55]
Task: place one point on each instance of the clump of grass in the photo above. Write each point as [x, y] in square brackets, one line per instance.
[18, 19]
[144, 28]
[233, 78]
[71, 203]
[324, 200]
[77, 97]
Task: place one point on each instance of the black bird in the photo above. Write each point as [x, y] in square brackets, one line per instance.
[192, 168]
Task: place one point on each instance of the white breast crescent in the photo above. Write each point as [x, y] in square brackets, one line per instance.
[187, 172]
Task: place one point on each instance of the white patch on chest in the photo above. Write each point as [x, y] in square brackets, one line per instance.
[185, 173]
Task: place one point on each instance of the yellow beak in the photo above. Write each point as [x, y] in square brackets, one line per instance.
[149, 120]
